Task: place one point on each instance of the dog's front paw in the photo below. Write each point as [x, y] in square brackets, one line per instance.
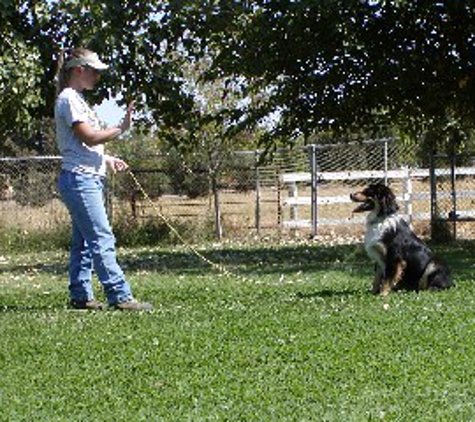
[376, 290]
[376, 286]
[385, 289]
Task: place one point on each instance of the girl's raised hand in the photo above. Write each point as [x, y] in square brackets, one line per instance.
[127, 122]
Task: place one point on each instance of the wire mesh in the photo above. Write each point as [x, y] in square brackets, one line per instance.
[453, 201]
[343, 168]
[249, 195]
[28, 195]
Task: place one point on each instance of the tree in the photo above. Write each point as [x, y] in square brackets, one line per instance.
[329, 65]
[205, 141]
[339, 66]
[20, 78]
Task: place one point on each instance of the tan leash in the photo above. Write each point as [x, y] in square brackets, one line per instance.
[221, 268]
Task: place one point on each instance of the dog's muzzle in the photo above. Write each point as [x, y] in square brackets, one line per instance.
[366, 204]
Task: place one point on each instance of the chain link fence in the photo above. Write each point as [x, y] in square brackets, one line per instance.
[28, 194]
[453, 197]
[293, 192]
[316, 201]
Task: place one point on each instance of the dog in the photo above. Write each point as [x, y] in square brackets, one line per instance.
[402, 260]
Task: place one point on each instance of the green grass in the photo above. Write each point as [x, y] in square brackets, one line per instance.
[299, 338]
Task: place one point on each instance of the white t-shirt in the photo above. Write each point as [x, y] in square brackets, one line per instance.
[71, 108]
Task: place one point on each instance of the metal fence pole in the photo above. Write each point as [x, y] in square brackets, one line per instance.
[453, 194]
[385, 151]
[433, 195]
[258, 193]
[217, 206]
[279, 200]
[407, 194]
[314, 193]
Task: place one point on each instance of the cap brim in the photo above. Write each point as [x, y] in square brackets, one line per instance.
[98, 65]
[91, 61]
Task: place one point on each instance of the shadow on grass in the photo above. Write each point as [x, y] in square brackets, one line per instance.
[39, 308]
[56, 269]
[326, 294]
[287, 259]
[258, 261]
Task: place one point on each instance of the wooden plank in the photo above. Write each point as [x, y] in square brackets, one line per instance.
[294, 224]
[358, 175]
[373, 174]
[295, 177]
[330, 200]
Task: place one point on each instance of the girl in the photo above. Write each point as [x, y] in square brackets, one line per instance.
[81, 182]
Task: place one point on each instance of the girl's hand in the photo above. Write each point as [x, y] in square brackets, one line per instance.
[91, 137]
[127, 122]
[116, 164]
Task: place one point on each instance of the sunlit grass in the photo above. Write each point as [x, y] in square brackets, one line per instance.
[297, 336]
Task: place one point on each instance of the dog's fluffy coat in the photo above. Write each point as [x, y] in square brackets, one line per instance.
[402, 260]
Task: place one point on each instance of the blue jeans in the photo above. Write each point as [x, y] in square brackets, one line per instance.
[93, 243]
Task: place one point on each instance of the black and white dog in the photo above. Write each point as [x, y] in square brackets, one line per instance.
[402, 260]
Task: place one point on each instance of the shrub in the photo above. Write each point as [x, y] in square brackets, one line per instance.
[34, 188]
[14, 239]
[152, 232]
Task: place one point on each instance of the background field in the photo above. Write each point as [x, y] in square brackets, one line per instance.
[298, 338]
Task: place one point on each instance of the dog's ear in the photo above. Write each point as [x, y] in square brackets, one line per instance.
[389, 201]
[375, 188]
[380, 191]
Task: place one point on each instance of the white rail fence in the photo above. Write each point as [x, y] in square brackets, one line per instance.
[406, 200]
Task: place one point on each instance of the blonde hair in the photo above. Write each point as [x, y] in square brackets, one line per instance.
[62, 72]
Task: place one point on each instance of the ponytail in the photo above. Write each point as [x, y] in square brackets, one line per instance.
[62, 72]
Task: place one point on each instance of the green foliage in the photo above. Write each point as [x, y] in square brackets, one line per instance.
[16, 240]
[132, 233]
[301, 338]
[442, 231]
[340, 65]
[189, 178]
[203, 71]
[34, 188]
[167, 173]
[20, 77]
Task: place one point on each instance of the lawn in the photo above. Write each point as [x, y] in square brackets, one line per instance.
[296, 337]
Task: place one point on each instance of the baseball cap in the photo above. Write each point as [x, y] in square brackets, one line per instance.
[91, 60]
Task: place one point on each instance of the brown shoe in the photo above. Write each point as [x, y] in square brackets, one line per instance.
[133, 305]
[90, 305]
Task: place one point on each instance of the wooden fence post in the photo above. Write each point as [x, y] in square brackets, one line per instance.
[294, 209]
